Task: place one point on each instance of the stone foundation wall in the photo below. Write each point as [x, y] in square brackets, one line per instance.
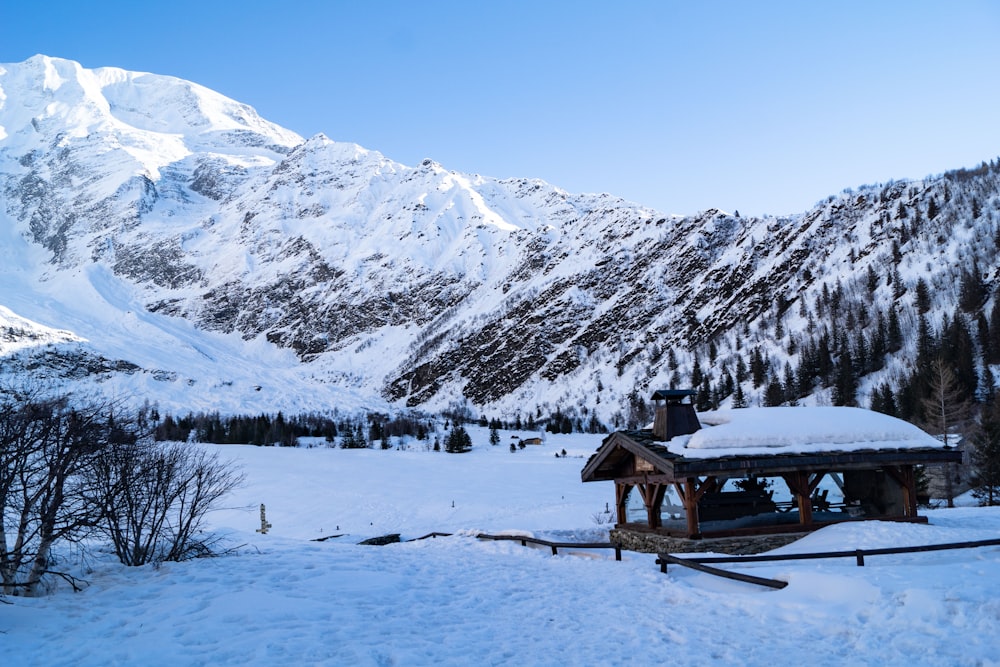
[631, 540]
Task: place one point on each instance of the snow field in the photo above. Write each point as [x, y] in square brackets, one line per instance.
[282, 599]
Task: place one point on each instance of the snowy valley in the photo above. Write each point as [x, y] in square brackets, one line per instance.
[282, 598]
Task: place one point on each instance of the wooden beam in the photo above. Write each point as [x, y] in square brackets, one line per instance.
[838, 480]
[710, 485]
[643, 479]
[814, 482]
[652, 498]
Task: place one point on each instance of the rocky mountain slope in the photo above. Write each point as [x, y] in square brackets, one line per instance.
[217, 261]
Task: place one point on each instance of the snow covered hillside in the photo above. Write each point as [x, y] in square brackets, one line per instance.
[201, 258]
[282, 598]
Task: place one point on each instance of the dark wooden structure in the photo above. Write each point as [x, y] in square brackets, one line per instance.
[876, 483]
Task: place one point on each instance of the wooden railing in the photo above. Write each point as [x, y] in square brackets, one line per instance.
[525, 540]
[699, 562]
[555, 546]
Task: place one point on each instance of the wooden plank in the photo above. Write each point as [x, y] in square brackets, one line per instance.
[736, 576]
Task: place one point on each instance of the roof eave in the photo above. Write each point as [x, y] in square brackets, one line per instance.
[618, 440]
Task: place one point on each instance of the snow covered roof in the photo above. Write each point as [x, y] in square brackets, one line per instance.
[797, 430]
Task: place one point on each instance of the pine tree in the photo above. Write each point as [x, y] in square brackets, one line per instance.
[991, 347]
[986, 456]
[774, 394]
[972, 290]
[741, 369]
[922, 296]
[696, 374]
[458, 441]
[883, 400]
[348, 441]
[894, 333]
[789, 385]
[494, 435]
[871, 280]
[846, 385]
[758, 367]
[926, 347]
[703, 399]
[739, 399]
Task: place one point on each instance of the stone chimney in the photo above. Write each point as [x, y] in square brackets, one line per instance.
[674, 416]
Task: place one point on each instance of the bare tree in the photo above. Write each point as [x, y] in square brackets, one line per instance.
[947, 409]
[45, 444]
[70, 470]
[153, 498]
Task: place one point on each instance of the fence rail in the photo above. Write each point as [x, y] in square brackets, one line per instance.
[525, 540]
[555, 546]
[699, 562]
[693, 563]
[859, 554]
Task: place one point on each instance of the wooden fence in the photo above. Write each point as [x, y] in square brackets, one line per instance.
[699, 562]
[526, 540]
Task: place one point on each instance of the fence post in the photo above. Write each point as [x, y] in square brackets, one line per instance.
[860, 555]
[264, 525]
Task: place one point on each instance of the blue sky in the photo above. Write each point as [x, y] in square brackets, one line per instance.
[761, 107]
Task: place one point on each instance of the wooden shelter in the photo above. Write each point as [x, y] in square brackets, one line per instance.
[876, 479]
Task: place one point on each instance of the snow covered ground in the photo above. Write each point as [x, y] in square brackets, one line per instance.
[283, 599]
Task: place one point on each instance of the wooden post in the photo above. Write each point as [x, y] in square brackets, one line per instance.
[621, 501]
[264, 525]
[910, 490]
[798, 483]
[691, 507]
[660, 492]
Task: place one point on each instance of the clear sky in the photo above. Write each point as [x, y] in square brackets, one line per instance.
[756, 106]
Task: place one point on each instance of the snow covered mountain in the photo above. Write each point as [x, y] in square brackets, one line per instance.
[182, 250]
